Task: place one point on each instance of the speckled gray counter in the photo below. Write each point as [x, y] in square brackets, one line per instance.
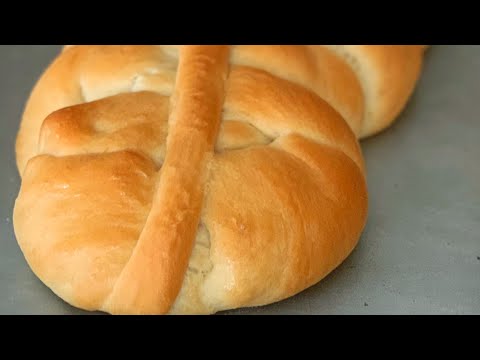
[420, 252]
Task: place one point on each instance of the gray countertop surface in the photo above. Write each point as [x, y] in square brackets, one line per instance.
[420, 251]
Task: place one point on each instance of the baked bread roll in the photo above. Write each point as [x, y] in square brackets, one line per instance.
[195, 179]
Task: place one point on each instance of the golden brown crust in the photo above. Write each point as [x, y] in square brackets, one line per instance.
[166, 179]
[83, 74]
[78, 218]
[152, 277]
[315, 68]
[127, 121]
[303, 232]
[388, 74]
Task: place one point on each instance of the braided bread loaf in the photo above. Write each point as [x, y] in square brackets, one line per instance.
[193, 179]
